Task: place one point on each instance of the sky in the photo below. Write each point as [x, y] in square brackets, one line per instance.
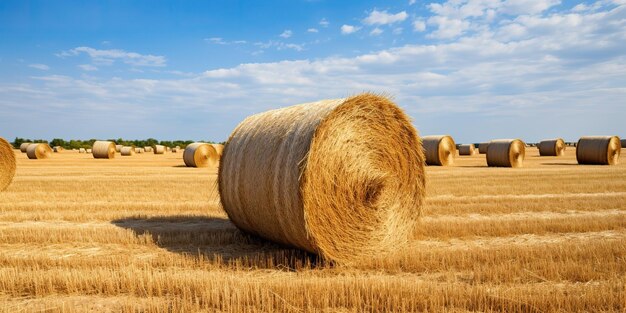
[474, 69]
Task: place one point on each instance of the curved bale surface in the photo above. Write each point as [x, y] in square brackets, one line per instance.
[38, 151]
[103, 150]
[482, 147]
[623, 142]
[127, 151]
[200, 154]
[439, 150]
[506, 153]
[7, 164]
[147, 149]
[24, 146]
[600, 150]
[307, 176]
[467, 149]
[551, 147]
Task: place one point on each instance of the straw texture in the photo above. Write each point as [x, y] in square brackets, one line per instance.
[307, 176]
[551, 147]
[38, 151]
[200, 154]
[601, 150]
[24, 146]
[159, 149]
[467, 149]
[482, 147]
[127, 151]
[506, 153]
[439, 150]
[7, 164]
[103, 150]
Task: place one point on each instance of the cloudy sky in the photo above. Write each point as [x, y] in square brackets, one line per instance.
[474, 69]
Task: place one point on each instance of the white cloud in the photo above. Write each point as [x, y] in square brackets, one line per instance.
[412, 2]
[286, 34]
[349, 29]
[42, 67]
[324, 22]
[382, 17]
[519, 7]
[397, 31]
[88, 67]
[312, 30]
[220, 41]
[279, 45]
[419, 26]
[376, 31]
[108, 57]
[447, 28]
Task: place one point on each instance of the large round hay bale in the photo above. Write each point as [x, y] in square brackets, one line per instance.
[24, 146]
[439, 150]
[467, 149]
[482, 147]
[58, 149]
[307, 176]
[7, 164]
[159, 149]
[200, 154]
[551, 147]
[38, 151]
[601, 150]
[506, 153]
[127, 151]
[219, 148]
[104, 149]
[118, 148]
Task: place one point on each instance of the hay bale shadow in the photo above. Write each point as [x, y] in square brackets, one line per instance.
[216, 239]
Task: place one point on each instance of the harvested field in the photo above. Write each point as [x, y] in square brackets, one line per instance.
[147, 234]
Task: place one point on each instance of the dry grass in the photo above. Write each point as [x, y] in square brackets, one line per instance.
[146, 234]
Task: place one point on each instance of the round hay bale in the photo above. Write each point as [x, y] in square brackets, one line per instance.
[24, 146]
[219, 148]
[467, 149]
[7, 164]
[58, 149]
[81, 150]
[104, 149]
[551, 147]
[482, 147]
[38, 151]
[175, 150]
[88, 151]
[139, 150]
[623, 142]
[200, 154]
[118, 148]
[601, 150]
[506, 153]
[307, 176]
[439, 150]
[147, 149]
[159, 149]
[127, 151]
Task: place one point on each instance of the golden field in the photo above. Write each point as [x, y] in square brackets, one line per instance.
[145, 233]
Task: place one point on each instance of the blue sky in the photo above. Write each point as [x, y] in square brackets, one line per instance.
[474, 69]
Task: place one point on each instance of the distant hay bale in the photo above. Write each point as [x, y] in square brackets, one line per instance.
[139, 150]
[219, 148]
[118, 148]
[600, 150]
[200, 154]
[623, 142]
[439, 150]
[7, 164]
[127, 151]
[88, 151]
[467, 149]
[308, 176]
[81, 150]
[38, 151]
[147, 149]
[58, 149]
[159, 149]
[506, 153]
[482, 147]
[24, 146]
[104, 149]
[551, 147]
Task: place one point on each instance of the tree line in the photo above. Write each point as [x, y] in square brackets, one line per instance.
[77, 144]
